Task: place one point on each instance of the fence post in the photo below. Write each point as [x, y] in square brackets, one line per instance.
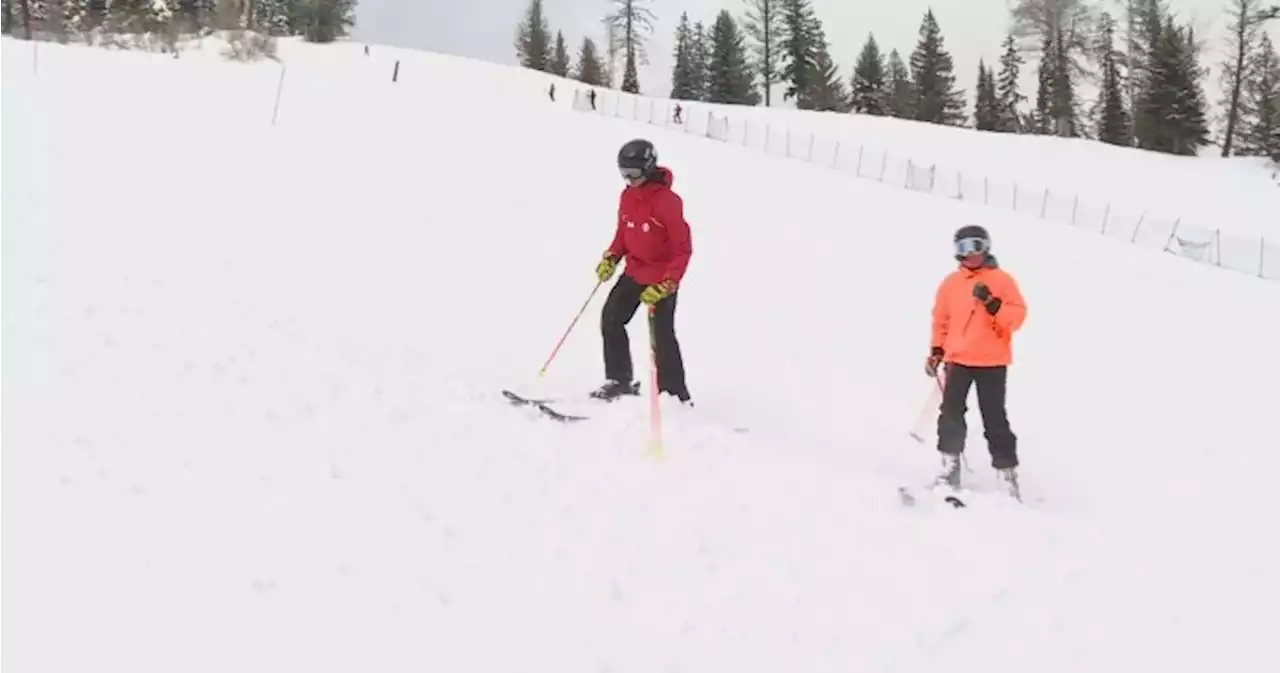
[884, 164]
[811, 138]
[906, 182]
[1044, 203]
[984, 190]
[1262, 254]
[1015, 197]
[1075, 203]
[960, 185]
[1217, 237]
[275, 112]
[835, 156]
[709, 117]
[1105, 215]
[1138, 227]
[1172, 234]
[395, 72]
[858, 170]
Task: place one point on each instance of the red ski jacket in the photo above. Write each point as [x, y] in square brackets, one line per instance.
[652, 234]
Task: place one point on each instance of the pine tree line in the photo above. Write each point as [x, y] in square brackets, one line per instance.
[316, 20]
[536, 50]
[1145, 61]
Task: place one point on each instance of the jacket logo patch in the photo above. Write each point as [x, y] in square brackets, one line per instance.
[631, 225]
[644, 227]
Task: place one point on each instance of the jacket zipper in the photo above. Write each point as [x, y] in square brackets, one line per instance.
[972, 310]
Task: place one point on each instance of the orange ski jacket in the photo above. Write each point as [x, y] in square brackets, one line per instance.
[962, 327]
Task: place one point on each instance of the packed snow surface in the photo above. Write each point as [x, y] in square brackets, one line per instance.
[252, 418]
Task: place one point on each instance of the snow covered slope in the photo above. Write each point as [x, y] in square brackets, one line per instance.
[251, 418]
[1239, 196]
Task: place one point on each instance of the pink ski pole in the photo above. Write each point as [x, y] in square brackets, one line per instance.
[559, 343]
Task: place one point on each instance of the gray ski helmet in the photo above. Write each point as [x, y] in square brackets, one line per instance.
[637, 159]
[971, 239]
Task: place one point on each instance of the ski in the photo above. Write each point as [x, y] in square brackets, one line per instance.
[541, 405]
[910, 499]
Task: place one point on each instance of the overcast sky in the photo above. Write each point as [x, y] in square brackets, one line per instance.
[972, 29]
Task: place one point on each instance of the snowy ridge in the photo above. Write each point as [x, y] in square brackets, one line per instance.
[1227, 206]
[252, 422]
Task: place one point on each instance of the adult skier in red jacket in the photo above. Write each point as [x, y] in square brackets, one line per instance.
[653, 237]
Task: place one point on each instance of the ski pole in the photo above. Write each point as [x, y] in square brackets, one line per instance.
[655, 411]
[543, 371]
[930, 402]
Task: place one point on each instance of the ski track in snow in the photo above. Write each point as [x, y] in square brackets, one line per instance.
[252, 418]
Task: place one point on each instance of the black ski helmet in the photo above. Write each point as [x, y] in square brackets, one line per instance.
[968, 233]
[637, 159]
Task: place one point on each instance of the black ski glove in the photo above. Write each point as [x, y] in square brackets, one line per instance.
[935, 359]
[983, 294]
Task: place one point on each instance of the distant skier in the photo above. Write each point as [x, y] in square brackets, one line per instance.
[552, 92]
[654, 238]
[676, 117]
[591, 96]
[977, 309]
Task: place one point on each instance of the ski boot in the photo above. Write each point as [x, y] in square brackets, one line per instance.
[949, 476]
[612, 390]
[1009, 480]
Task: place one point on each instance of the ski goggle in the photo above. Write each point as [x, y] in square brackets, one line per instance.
[971, 246]
[631, 173]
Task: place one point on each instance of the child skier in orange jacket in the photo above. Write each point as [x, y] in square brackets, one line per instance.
[977, 309]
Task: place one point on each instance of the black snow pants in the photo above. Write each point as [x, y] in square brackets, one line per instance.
[952, 429]
[621, 305]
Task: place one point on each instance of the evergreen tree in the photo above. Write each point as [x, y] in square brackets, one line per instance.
[1172, 108]
[799, 54]
[1246, 21]
[683, 75]
[126, 16]
[1146, 28]
[632, 22]
[729, 75]
[609, 65]
[985, 106]
[1067, 24]
[1055, 111]
[560, 57]
[158, 15]
[870, 90]
[200, 14]
[75, 14]
[1194, 105]
[1042, 115]
[323, 20]
[937, 99]
[764, 26]
[1064, 26]
[270, 17]
[902, 93]
[1009, 98]
[590, 70]
[827, 91]
[1062, 101]
[1110, 115]
[533, 39]
[699, 60]
[1260, 103]
[630, 77]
